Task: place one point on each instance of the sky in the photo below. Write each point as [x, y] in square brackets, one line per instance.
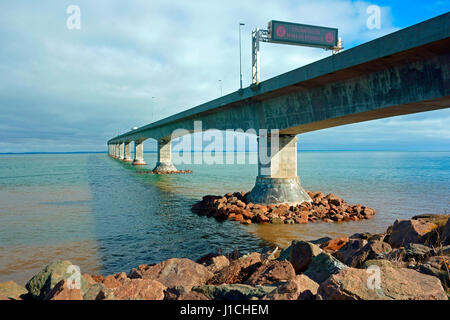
[133, 62]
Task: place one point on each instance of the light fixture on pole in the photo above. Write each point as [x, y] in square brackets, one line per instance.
[240, 53]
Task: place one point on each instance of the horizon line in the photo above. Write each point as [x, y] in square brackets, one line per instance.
[309, 150]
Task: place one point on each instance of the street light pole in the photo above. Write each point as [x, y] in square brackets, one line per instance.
[240, 52]
[220, 81]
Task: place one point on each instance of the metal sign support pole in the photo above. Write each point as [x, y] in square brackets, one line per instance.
[255, 56]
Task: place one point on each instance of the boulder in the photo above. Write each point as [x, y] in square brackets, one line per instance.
[418, 252]
[377, 262]
[12, 290]
[233, 291]
[299, 288]
[300, 254]
[439, 267]
[286, 291]
[409, 231]
[46, 279]
[140, 289]
[374, 249]
[180, 293]
[93, 291]
[394, 284]
[323, 266]
[446, 234]
[346, 254]
[64, 291]
[273, 271]
[218, 263]
[238, 270]
[174, 272]
[334, 244]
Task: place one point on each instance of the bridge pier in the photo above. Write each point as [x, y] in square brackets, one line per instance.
[116, 151]
[164, 163]
[277, 180]
[127, 157]
[121, 151]
[139, 154]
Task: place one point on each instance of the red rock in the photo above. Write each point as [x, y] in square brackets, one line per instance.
[248, 221]
[409, 231]
[239, 217]
[62, 292]
[111, 282]
[335, 244]
[97, 278]
[395, 284]
[177, 272]
[247, 214]
[218, 263]
[140, 289]
[237, 270]
[274, 271]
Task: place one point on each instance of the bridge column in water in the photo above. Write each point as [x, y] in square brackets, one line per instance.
[164, 163]
[127, 157]
[277, 180]
[115, 151]
[121, 151]
[139, 153]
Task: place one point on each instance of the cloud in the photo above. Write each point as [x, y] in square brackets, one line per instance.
[135, 62]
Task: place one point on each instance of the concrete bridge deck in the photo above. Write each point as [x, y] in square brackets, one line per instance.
[405, 72]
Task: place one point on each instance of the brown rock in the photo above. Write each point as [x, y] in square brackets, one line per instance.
[62, 291]
[374, 249]
[301, 254]
[308, 287]
[298, 288]
[274, 271]
[409, 231]
[111, 282]
[12, 290]
[446, 233]
[218, 263]
[238, 270]
[177, 272]
[347, 252]
[394, 284]
[140, 289]
[335, 244]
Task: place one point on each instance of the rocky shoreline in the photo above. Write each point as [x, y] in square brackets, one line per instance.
[326, 208]
[410, 261]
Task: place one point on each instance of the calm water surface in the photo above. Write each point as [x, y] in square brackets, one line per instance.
[102, 215]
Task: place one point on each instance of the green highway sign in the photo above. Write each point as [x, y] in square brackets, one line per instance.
[302, 34]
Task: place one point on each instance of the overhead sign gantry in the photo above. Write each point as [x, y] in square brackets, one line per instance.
[293, 34]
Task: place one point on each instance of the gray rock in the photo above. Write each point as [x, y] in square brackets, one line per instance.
[347, 253]
[46, 279]
[233, 291]
[323, 266]
[301, 254]
[417, 252]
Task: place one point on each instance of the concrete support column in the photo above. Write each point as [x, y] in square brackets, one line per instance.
[127, 156]
[164, 163]
[277, 180]
[139, 153]
[121, 151]
[116, 151]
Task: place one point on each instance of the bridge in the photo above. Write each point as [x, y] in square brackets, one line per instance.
[405, 72]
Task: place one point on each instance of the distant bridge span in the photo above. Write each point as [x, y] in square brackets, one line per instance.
[405, 72]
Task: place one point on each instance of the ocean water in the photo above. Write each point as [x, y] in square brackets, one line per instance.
[100, 214]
